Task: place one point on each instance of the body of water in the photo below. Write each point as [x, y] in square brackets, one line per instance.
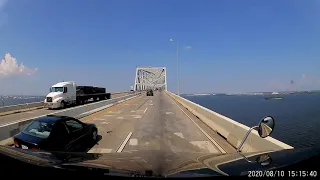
[14, 100]
[297, 116]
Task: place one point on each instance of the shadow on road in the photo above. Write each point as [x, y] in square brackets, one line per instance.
[86, 147]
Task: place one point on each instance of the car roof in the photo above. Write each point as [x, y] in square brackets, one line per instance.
[51, 118]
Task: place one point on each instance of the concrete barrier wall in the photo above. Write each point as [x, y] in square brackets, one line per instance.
[231, 130]
[21, 106]
[9, 130]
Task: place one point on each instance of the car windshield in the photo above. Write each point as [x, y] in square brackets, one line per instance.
[203, 77]
[39, 129]
[57, 89]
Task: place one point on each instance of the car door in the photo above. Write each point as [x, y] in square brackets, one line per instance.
[59, 137]
[77, 133]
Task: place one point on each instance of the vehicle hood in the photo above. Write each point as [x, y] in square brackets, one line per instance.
[165, 163]
[54, 94]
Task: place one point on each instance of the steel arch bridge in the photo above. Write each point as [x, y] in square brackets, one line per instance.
[150, 78]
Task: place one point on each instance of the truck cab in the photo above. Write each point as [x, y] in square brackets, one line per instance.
[61, 94]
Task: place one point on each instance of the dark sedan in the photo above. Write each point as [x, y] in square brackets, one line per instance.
[56, 133]
[149, 92]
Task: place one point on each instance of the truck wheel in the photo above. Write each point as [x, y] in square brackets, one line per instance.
[63, 105]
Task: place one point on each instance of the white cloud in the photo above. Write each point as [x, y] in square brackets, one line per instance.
[10, 66]
[187, 47]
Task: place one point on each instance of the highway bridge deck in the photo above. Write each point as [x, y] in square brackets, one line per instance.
[153, 123]
[145, 123]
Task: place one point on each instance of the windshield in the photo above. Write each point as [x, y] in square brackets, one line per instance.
[184, 76]
[39, 129]
[57, 89]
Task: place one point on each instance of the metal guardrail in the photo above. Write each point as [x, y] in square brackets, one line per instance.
[231, 130]
[11, 129]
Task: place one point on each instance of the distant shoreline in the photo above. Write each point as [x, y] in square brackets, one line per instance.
[253, 94]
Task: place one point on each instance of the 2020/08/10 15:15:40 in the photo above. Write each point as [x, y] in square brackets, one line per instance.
[276, 173]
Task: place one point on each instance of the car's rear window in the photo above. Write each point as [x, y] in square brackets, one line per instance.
[39, 129]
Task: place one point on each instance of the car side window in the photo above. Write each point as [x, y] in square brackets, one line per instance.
[73, 125]
[60, 130]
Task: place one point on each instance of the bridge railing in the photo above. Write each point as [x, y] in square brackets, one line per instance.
[21, 106]
[229, 129]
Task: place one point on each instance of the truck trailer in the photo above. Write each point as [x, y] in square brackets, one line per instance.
[68, 93]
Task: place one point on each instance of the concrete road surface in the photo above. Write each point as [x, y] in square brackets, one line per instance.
[152, 123]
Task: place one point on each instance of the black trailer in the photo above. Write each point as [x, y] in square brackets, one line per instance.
[84, 93]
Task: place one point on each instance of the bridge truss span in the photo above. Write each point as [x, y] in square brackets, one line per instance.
[150, 78]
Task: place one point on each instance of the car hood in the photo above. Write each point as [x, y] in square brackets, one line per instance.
[54, 94]
[167, 163]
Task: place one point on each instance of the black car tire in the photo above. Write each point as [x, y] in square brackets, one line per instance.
[94, 135]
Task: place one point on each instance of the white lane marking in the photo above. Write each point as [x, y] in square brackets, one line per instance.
[96, 110]
[116, 112]
[100, 150]
[108, 115]
[99, 119]
[133, 142]
[132, 111]
[151, 104]
[121, 101]
[145, 111]
[124, 143]
[179, 134]
[120, 118]
[105, 123]
[137, 117]
[205, 145]
[206, 134]
[68, 109]
[169, 112]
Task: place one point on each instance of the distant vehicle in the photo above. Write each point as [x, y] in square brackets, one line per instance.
[273, 98]
[55, 133]
[149, 92]
[68, 93]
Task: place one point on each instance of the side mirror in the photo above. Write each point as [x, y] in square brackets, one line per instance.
[266, 126]
[264, 160]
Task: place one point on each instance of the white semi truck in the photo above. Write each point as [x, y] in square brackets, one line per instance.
[68, 93]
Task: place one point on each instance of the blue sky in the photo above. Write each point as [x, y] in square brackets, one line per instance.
[225, 45]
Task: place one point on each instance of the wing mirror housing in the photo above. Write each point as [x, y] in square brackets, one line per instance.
[265, 128]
